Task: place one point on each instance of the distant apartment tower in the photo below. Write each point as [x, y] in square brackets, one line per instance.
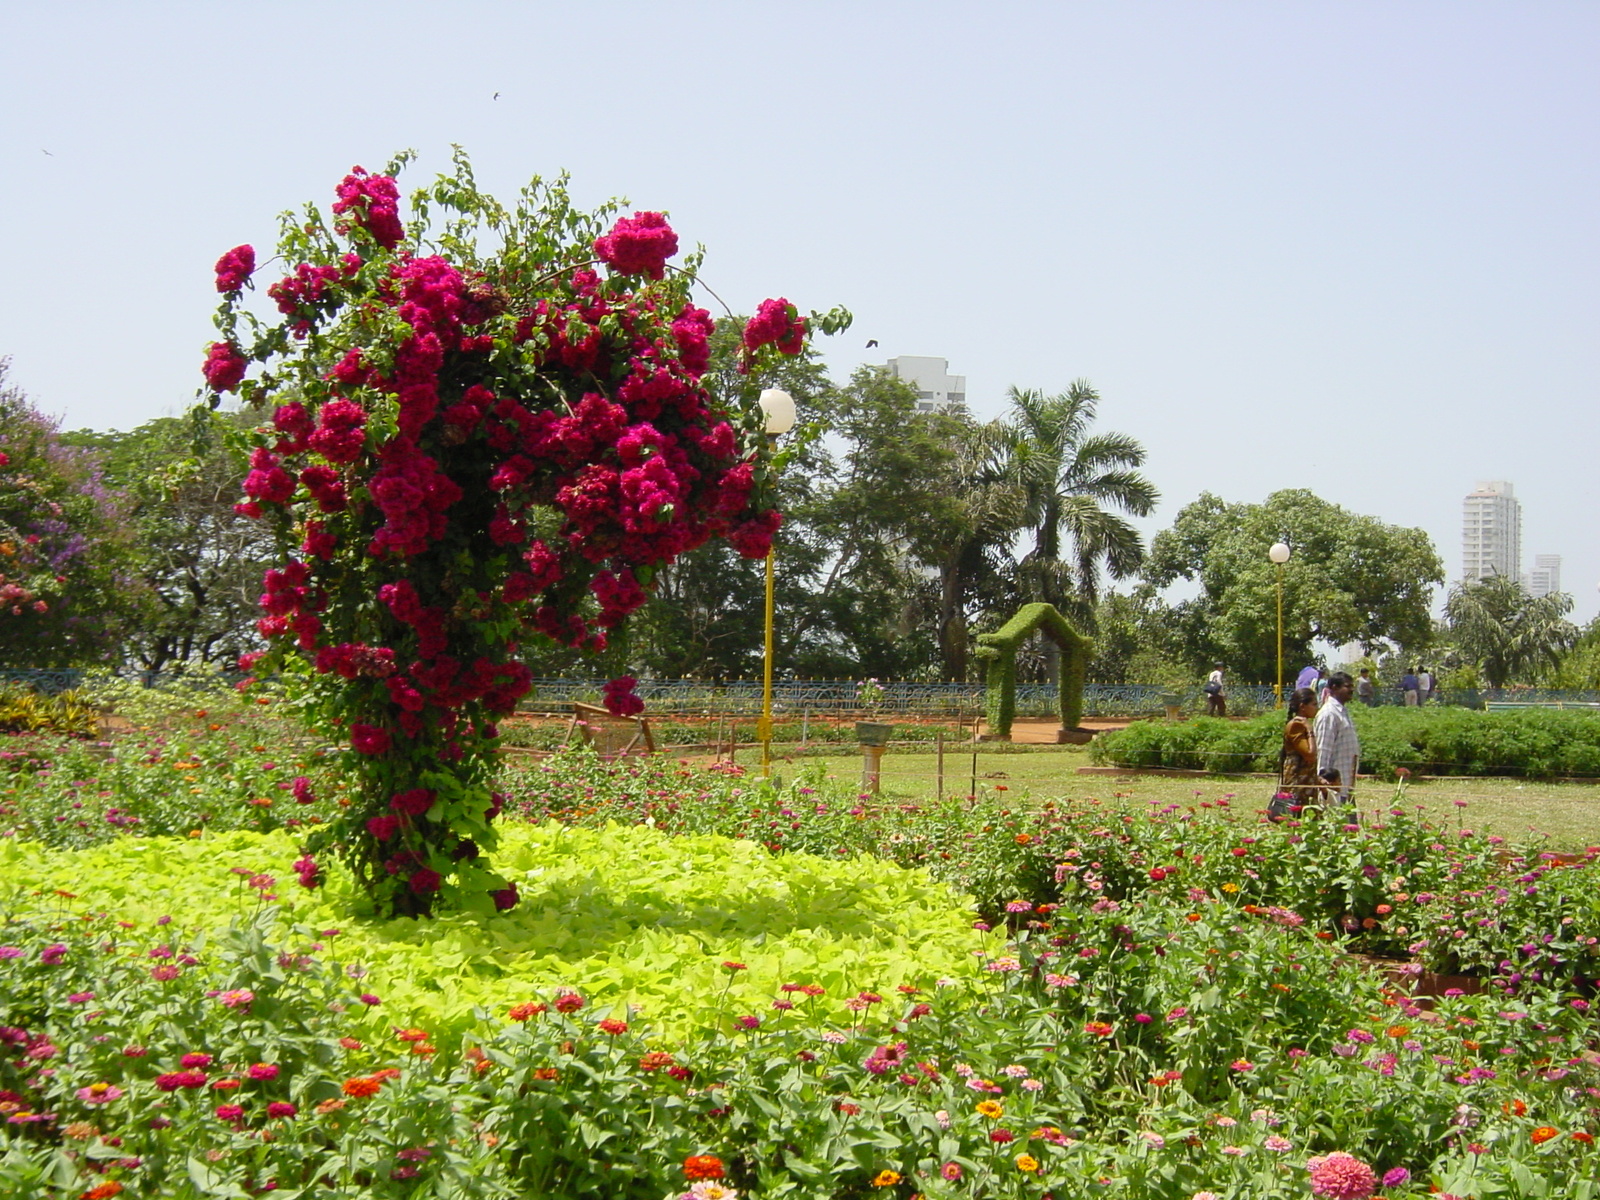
[936, 388]
[1545, 578]
[1491, 533]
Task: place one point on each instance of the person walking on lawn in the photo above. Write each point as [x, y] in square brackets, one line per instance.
[1216, 699]
[1338, 747]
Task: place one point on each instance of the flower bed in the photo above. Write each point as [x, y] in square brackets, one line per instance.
[1166, 1006]
[1163, 1046]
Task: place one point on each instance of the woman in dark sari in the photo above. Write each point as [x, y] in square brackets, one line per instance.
[1298, 784]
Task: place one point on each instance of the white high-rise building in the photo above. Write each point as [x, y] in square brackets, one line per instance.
[936, 388]
[1491, 532]
[1545, 578]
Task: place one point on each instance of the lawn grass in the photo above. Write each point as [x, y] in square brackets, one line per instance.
[1568, 814]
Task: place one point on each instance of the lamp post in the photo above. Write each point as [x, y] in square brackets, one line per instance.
[1279, 554]
[778, 409]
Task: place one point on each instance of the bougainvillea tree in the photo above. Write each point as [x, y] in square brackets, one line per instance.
[65, 594]
[467, 449]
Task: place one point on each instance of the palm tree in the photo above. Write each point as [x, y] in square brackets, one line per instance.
[989, 507]
[1072, 478]
[1506, 631]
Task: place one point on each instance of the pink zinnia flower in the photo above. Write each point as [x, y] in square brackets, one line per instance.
[1342, 1176]
[263, 1071]
[100, 1093]
[281, 1108]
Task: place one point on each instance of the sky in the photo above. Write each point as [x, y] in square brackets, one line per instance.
[1339, 245]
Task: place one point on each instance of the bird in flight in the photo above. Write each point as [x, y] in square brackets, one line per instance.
[872, 343]
[497, 95]
[42, 150]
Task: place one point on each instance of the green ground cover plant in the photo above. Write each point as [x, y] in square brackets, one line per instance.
[1434, 740]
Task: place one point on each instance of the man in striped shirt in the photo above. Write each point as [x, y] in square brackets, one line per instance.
[1338, 746]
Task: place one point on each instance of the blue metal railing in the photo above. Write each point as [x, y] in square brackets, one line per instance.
[793, 697]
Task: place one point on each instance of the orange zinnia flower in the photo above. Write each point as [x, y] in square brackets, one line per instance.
[104, 1191]
[362, 1085]
[1027, 1162]
[702, 1166]
[1544, 1133]
[990, 1109]
[886, 1178]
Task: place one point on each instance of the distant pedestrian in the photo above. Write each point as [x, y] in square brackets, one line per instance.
[1338, 747]
[1309, 677]
[1366, 690]
[1427, 684]
[1409, 687]
[1216, 698]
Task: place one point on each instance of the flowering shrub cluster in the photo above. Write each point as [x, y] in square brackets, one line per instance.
[467, 451]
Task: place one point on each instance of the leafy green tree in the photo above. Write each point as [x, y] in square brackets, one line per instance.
[65, 595]
[1350, 578]
[199, 562]
[1579, 668]
[1509, 633]
[1074, 480]
[1136, 640]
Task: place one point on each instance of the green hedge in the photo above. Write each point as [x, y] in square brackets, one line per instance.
[1428, 741]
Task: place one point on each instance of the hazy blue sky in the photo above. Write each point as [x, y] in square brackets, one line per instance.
[1352, 246]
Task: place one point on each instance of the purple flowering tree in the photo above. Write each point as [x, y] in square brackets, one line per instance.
[65, 597]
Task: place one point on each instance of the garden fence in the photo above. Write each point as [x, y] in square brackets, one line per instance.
[836, 698]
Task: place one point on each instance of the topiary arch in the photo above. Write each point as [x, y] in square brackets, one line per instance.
[999, 649]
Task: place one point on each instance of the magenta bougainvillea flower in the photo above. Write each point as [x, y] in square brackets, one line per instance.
[224, 367]
[235, 268]
[638, 245]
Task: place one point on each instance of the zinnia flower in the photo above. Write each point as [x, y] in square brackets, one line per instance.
[702, 1166]
[1342, 1176]
[100, 1093]
[886, 1178]
[1543, 1134]
[363, 1085]
[1026, 1162]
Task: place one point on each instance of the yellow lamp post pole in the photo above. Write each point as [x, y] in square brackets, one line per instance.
[765, 731]
[1279, 554]
[778, 409]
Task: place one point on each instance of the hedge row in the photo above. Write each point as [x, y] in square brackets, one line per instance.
[1540, 743]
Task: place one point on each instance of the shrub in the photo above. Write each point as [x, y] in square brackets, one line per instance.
[1432, 740]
